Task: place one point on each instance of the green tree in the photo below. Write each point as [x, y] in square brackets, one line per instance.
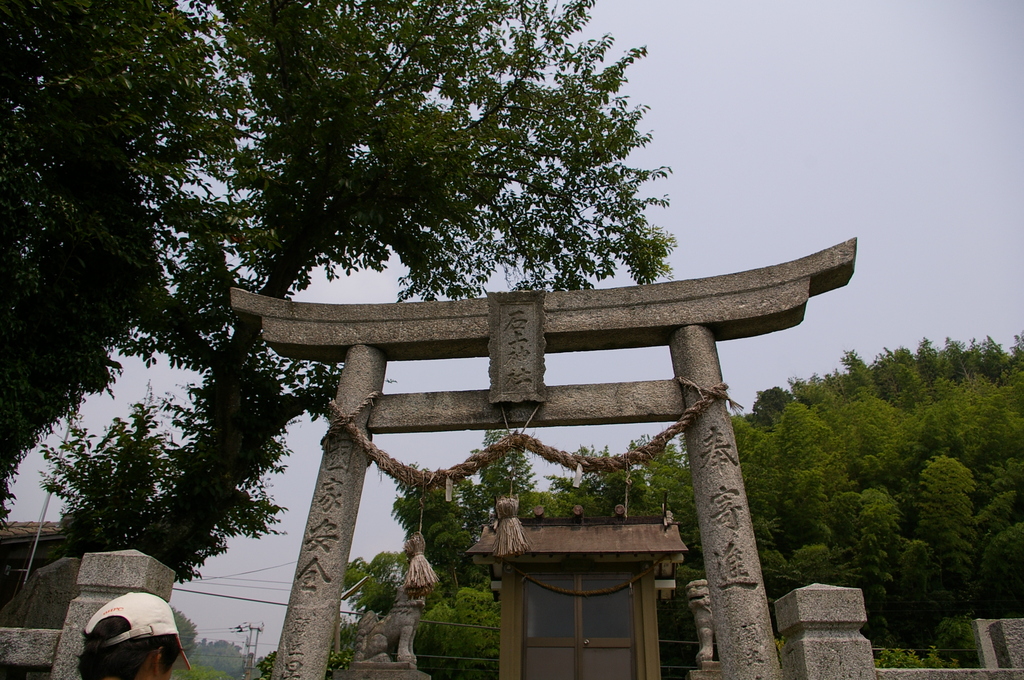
[386, 571]
[876, 472]
[450, 528]
[1001, 577]
[512, 475]
[220, 655]
[946, 520]
[769, 406]
[916, 570]
[335, 661]
[643, 489]
[447, 530]
[908, 658]
[460, 138]
[104, 129]
[186, 631]
[200, 672]
[802, 442]
[469, 607]
[875, 554]
[117, 490]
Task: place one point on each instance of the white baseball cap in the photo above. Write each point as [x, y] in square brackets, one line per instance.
[148, 616]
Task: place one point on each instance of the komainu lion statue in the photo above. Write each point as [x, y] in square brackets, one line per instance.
[699, 597]
[389, 639]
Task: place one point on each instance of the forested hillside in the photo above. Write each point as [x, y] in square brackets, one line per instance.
[903, 477]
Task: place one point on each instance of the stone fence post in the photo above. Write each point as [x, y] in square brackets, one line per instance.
[101, 578]
[1008, 642]
[822, 628]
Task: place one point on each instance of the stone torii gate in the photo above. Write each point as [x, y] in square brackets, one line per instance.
[516, 330]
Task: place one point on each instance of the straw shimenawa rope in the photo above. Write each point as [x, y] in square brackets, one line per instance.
[514, 441]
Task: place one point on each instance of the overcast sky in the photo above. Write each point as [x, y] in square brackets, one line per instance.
[789, 127]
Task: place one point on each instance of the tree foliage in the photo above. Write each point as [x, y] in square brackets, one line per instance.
[102, 126]
[219, 656]
[117, 489]
[200, 672]
[454, 138]
[186, 631]
[466, 648]
[335, 661]
[904, 477]
[386, 573]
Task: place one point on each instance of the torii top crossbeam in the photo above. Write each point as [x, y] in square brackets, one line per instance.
[738, 305]
[732, 306]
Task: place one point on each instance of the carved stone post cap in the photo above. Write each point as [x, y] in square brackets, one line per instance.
[125, 571]
[821, 606]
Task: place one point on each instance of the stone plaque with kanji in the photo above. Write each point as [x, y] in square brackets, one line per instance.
[516, 346]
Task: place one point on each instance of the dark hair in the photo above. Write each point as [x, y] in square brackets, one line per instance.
[124, 659]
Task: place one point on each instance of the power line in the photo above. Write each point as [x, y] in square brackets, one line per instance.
[460, 670]
[250, 580]
[909, 649]
[243, 573]
[231, 597]
[240, 585]
[459, 658]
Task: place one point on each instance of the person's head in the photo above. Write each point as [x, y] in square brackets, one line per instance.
[131, 636]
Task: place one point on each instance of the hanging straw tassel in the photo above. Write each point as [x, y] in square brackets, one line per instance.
[510, 539]
[420, 579]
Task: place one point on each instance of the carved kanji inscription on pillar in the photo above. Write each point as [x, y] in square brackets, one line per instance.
[322, 536]
[732, 563]
[312, 576]
[718, 451]
[516, 346]
[330, 494]
[727, 508]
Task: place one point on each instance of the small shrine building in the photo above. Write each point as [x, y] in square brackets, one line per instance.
[581, 603]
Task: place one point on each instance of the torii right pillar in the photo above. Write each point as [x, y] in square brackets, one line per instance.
[743, 628]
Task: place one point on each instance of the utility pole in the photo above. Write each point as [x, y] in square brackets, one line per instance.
[250, 646]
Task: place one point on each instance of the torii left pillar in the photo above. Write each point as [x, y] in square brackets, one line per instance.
[320, 571]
